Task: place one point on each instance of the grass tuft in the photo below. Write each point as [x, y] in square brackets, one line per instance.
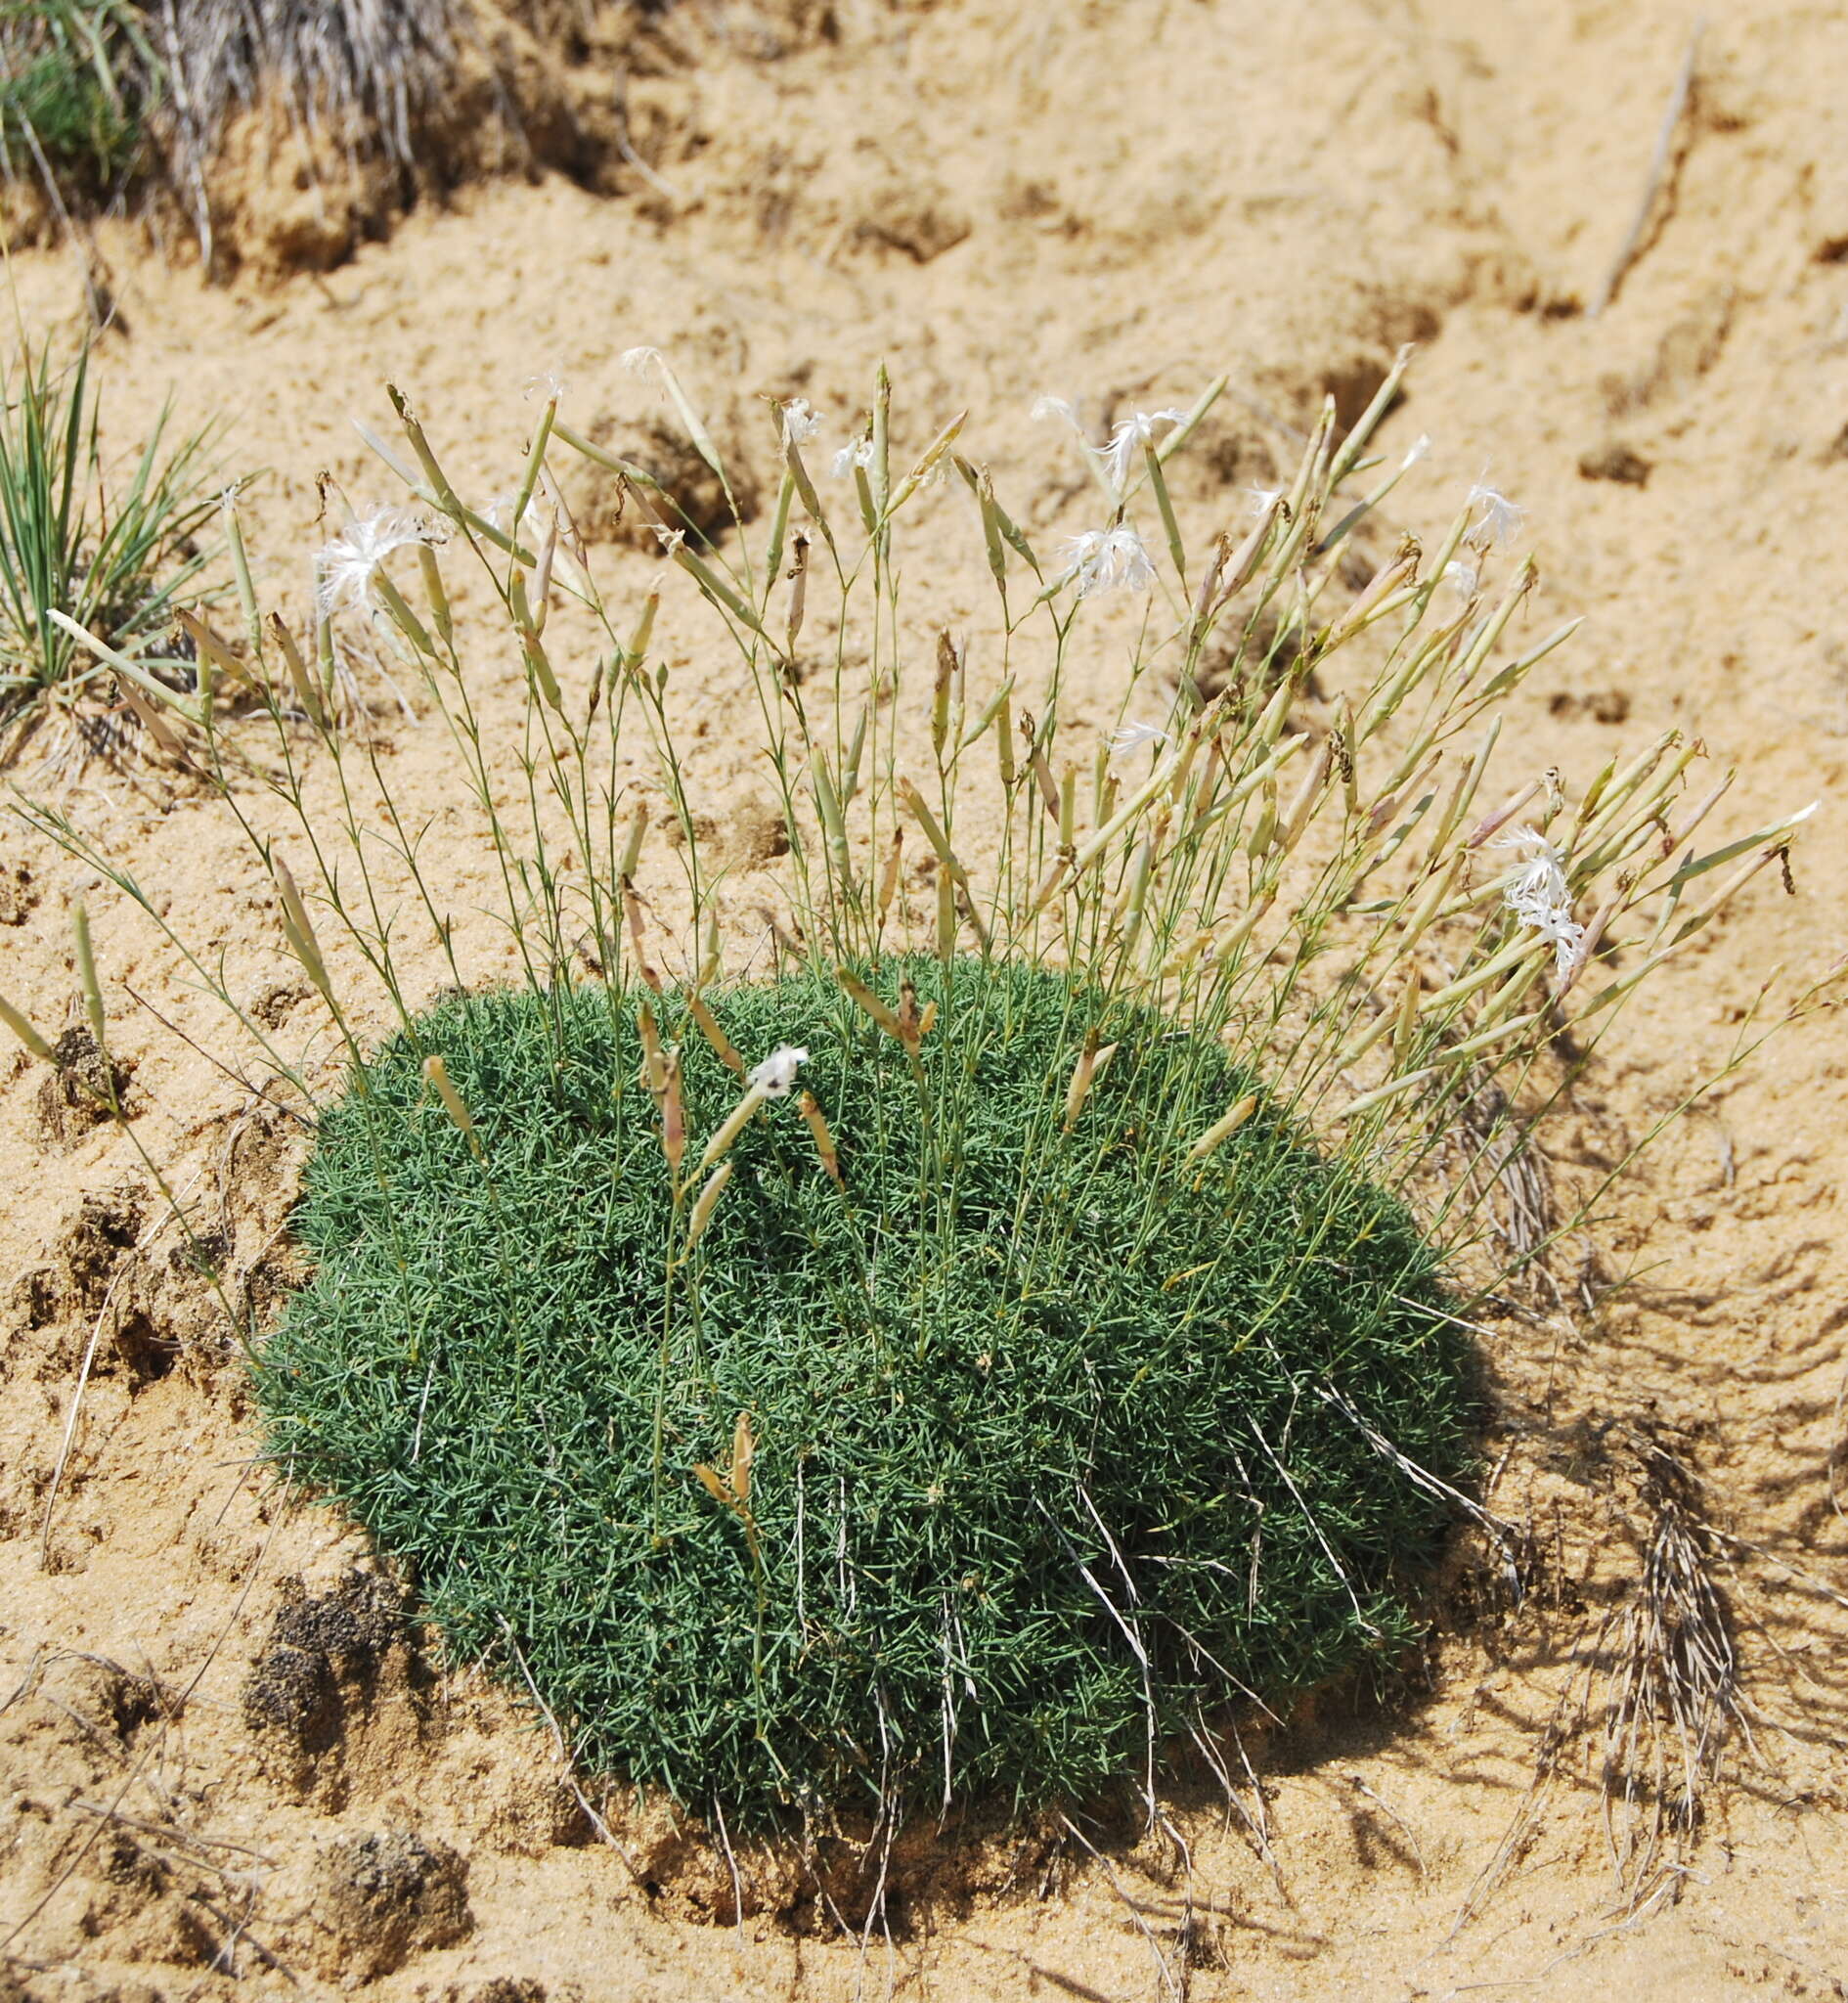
[118, 554]
[996, 1467]
[78, 79]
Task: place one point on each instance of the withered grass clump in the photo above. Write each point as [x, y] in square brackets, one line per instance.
[992, 1452]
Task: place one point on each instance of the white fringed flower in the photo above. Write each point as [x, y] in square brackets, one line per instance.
[1264, 499]
[641, 361]
[1107, 559]
[1129, 738]
[548, 383]
[1063, 408]
[1459, 576]
[1539, 895]
[858, 454]
[1500, 521]
[778, 1072]
[1126, 439]
[1418, 448]
[345, 567]
[800, 422]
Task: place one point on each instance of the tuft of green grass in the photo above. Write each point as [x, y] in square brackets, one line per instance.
[78, 79]
[116, 553]
[999, 1463]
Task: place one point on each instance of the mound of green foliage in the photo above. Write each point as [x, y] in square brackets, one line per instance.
[1003, 1463]
[77, 79]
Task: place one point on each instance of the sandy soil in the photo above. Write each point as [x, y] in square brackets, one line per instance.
[217, 1752]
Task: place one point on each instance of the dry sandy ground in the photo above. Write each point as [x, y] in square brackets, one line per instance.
[218, 1755]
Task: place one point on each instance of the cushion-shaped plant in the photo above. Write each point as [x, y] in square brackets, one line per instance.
[967, 1417]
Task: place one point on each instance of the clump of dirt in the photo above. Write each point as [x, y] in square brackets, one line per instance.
[19, 894]
[82, 1088]
[380, 1899]
[608, 509]
[331, 1660]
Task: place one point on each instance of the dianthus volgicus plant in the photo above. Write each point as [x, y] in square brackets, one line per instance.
[977, 1324]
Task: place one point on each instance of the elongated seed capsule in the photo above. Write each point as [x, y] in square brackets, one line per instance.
[1525, 944]
[645, 630]
[437, 1072]
[709, 958]
[718, 591]
[714, 1484]
[864, 997]
[1068, 805]
[654, 1058]
[1303, 803]
[709, 1028]
[402, 616]
[920, 811]
[632, 908]
[1462, 794]
[1429, 901]
[1588, 942]
[1223, 1128]
[1471, 1047]
[1164, 505]
[945, 916]
[1375, 595]
[743, 1453]
[997, 704]
[22, 1027]
[535, 459]
[1264, 829]
[798, 588]
[86, 969]
[125, 669]
[443, 493]
[926, 465]
[706, 1203]
[779, 525]
[297, 929]
[1042, 772]
[1235, 940]
[734, 1124]
[324, 647]
[881, 468]
[672, 1113]
[541, 578]
[152, 721]
[1004, 737]
[1376, 1027]
[1245, 559]
[632, 848]
[889, 879]
[435, 596]
[1405, 1022]
[213, 654]
[833, 822]
[1208, 588]
[823, 1139]
[1090, 1062]
[1137, 892]
[947, 666]
[1048, 886]
[856, 749]
[241, 572]
[805, 486]
[1502, 816]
